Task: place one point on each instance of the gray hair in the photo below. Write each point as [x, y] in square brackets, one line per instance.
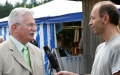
[16, 15]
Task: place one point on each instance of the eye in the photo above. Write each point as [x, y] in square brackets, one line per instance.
[31, 25]
[92, 18]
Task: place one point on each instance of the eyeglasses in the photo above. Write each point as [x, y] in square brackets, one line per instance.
[29, 25]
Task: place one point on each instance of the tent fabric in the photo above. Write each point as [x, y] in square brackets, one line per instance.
[55, 12]
[57, 8]
[55, 19]
[46, 36]
[52, 12]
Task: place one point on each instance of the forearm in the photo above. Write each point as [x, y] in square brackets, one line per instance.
[68, 73]
[84, 74]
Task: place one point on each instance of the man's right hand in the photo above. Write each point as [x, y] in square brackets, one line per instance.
[65, 73]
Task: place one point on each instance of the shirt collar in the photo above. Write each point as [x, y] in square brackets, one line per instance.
[18, 44]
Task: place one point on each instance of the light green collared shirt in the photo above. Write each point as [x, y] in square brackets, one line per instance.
[18, 44]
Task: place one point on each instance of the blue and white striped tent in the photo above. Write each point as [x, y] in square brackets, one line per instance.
[45, 16]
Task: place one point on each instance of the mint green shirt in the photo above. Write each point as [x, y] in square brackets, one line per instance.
[18, 44]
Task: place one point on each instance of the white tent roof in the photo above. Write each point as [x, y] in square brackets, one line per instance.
[4, 19]
[57, 8]
[53, 9]
[56, 11]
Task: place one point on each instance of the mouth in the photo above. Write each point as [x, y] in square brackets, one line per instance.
[93, 28]
[32, 33]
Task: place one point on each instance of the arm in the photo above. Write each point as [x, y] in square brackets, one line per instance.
[65, 73]
[68, 73]
[115, 61]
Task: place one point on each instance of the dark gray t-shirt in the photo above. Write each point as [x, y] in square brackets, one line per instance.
[107, 57]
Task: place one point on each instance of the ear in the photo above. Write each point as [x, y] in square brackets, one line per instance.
[14, 27]
[106, 18]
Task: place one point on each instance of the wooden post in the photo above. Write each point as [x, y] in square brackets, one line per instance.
[90, 41]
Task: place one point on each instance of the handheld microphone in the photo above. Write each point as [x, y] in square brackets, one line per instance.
[51, 58]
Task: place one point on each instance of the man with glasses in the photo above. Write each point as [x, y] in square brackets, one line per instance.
[17, 55]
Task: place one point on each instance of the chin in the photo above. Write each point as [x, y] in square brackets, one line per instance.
[31, 39]
[95, 33]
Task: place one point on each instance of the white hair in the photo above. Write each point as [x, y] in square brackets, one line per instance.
[16, 15]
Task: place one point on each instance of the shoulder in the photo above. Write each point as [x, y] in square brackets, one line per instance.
[100, 46]
[3, 46]
[37, 51]
[33, 46]
[4, 51]
[116, 43]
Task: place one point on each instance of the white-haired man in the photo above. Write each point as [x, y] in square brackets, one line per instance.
[17, 55]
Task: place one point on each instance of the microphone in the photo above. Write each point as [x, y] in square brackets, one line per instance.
[51, 58]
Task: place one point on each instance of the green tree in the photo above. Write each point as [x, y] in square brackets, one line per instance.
[19, 5]
[1, 11]
[45, 1]
[6, 8]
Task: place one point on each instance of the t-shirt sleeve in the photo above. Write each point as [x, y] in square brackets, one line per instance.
[115, 62]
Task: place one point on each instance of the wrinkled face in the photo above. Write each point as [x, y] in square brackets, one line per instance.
[96, 22]
[26, 29]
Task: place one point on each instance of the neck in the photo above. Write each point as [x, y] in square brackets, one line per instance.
[20, 40]
[110, 32]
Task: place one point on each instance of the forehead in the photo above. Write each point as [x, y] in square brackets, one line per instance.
[95, 10]
[27, 17]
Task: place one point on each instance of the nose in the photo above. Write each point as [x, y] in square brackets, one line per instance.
[34, 28]
[90, 22]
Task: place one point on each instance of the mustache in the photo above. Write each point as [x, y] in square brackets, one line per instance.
[32, 32]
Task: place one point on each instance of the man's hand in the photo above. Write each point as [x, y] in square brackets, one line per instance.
[65, 73]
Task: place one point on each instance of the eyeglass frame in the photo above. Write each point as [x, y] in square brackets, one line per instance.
[29, 25]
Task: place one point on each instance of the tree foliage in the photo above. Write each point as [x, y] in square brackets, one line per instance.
[6, 8]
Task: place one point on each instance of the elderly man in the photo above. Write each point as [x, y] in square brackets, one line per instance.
[17, 55]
